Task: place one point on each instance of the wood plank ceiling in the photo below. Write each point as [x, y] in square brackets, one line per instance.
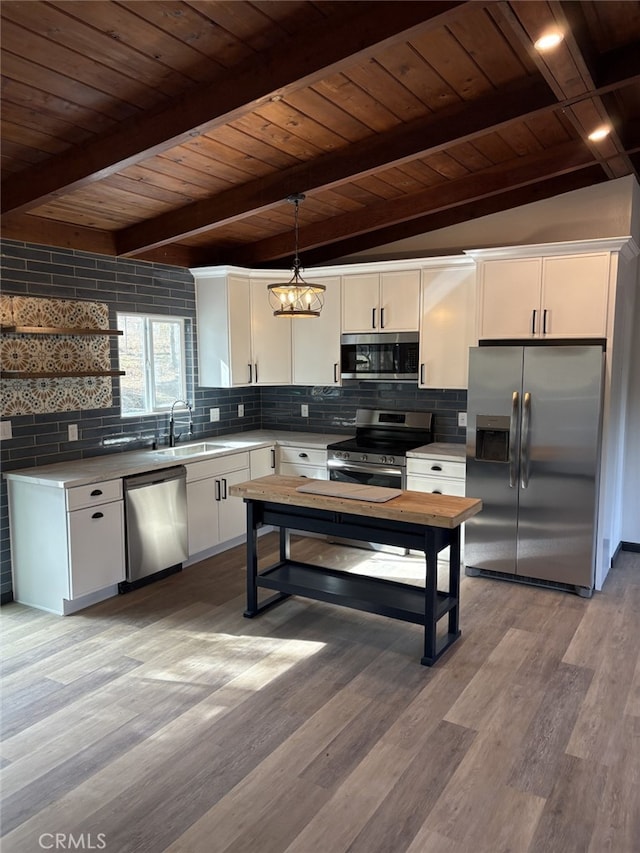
[175, 131]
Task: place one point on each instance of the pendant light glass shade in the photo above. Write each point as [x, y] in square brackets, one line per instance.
[296, 297]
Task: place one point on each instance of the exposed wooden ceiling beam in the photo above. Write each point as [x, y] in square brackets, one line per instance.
[339, 41]
[506, 200]
[562, 159]
[455, 125]
[419, 138]
[36, 229]
[571, 71]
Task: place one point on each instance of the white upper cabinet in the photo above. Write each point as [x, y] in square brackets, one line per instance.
[575, 291]
[270, 340]
[509, 299]
[240, 342]
[316, 340]
[563, 296]
[447, 324]
[381, 302]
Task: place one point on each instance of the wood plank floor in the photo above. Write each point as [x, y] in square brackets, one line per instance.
[162, 720]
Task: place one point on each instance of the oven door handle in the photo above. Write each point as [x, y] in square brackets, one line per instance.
[340, 465]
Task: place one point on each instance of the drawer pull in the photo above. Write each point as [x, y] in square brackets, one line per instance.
[436, 492]
[96, 492]
[97, 515]
[303, 455]
[436, 467]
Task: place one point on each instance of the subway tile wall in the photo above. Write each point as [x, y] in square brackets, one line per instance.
[129, 285]
[334, 409]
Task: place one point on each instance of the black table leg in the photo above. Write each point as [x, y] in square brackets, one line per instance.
[285, 544]
[252, 561]
[430, 598]
[454, 582]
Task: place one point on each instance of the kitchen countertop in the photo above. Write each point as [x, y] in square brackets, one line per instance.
[412, 507]
[110, 466]
[446, 451]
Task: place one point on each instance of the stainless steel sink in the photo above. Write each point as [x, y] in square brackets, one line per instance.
[192, 449]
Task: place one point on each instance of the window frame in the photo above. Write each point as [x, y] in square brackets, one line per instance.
[150, 390]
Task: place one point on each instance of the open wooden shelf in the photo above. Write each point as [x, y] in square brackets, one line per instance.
[56, 330]
[26, 374]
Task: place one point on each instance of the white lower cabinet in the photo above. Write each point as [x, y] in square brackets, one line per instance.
[96, 548]
[262, 461]
[298, 461]
[438, 477]
[79, 550]
[213, 516]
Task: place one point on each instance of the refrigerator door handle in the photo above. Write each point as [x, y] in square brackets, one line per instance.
[513, 432]
[524, 441]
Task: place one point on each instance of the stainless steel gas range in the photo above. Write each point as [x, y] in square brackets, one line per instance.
[377, 454]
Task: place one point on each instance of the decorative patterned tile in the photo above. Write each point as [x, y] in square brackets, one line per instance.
[54, 354]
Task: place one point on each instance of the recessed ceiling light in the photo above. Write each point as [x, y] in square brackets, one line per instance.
[548, 41]
[600, 133]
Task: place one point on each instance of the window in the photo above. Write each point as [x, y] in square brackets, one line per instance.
[152, 354]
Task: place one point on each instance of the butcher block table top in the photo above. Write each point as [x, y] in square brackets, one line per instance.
[414, 507]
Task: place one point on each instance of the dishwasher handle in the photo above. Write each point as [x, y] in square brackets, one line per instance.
[138, 481]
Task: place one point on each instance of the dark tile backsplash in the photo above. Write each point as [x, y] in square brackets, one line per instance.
[129, 285]
[334, 409]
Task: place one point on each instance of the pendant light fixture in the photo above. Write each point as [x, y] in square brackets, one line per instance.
[296, 298]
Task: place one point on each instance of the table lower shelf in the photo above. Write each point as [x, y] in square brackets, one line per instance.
[360, 592]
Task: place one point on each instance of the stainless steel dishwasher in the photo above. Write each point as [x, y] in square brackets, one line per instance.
[156, 521]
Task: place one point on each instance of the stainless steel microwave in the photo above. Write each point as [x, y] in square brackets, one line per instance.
[380, 357]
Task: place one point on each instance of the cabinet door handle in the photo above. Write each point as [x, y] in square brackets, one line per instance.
[422, 373]
[96, 492]
[382, 318]
[373, 318]
[224, 489]
[217, 488]
[302, 455]
[250, 366]
[335, 371]
[97, 515]
[436, 467]
[256, 370]
[273, 457]
[534, 315]
[544, 322]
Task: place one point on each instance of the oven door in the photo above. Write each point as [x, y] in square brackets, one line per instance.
[369, 475]
[365, 474]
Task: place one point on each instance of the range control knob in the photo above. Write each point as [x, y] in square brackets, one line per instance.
[346, 455]
[383, 459]
[364, 457]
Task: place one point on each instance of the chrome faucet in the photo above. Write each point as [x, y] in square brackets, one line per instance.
[172, 434]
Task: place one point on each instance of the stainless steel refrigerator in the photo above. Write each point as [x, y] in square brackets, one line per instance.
[533, 448]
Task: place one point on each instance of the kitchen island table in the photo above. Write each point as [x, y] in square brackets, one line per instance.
[412, 520]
